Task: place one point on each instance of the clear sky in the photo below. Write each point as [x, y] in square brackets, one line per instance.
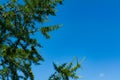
[92, 30]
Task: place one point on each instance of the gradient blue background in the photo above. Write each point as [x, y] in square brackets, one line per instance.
[92, 30]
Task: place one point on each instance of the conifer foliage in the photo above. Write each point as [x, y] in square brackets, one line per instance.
[17, 46]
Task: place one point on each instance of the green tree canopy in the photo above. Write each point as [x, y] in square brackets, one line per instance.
[17, 46]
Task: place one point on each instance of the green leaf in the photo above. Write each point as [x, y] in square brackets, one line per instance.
[45, 30]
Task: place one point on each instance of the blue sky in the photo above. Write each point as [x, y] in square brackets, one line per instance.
[92, 30]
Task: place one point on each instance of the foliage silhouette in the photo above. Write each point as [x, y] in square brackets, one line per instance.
[18, 49]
